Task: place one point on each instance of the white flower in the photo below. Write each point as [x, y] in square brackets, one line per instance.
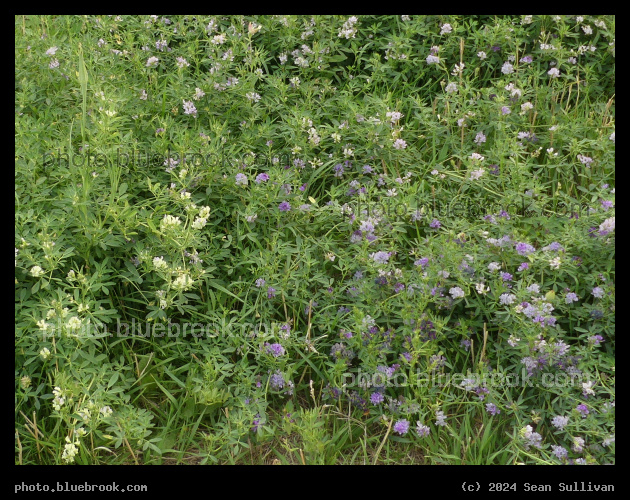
[42, 325]
[456, 292]
[514, 92]
[69, 452]
[457, 70]
[152, 62]
[554, 72]
[476, 174]
[45, 353]
[106, 411]
[348, 30]
[533, 288]
[481, 288]
[587, 29]
[85, 414]
[400, 144]
[513, 341]
[555, 263]
[199, 223]
[198, 94]
[74, 323]
[507, 298]
[182, 282]
[431, 59]
[507, 68]
[394, 116]
[482, 55]
[446, 28]
[218, 39]
[189, 108]
[169, 222]
[451, 88]
[58, 400]
[36, 271]
[587, 387]
[526, 106]
[608, 226]
[204, 212]
[160, 263]
[253, 96]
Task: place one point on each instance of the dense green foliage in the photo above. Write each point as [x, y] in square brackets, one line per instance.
[252, 238]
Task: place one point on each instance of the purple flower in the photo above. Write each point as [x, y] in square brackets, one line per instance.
[422, 430]
[284, 206]
[524, 249]
[505, 110]
[582, 409]
[506, 276]
[523, 267]
[189, 108]
[276, 380]
[274, 349]
[256, 423]
[559, 451]
[421, 262]
[595, 340]
[465, 344]
[401, 427]
[399, 287]
[492, 409]
[571, 297]
[597, 292]
[606, 204]
[303, 187]
[381, 257]
[554, 247]
[260, 282]
[526, 59]
[377, 398]
[271, 292]
[338, 169]
[241, 179]
[261, 178]
[435, 224]
[559, 422]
